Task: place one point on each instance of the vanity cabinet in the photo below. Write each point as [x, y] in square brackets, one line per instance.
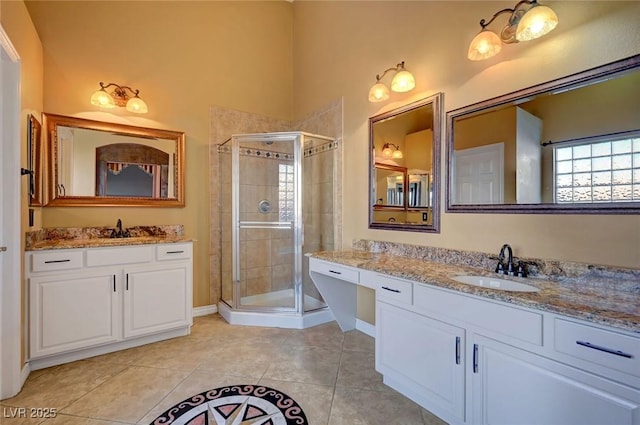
[155, 299]
[474, 360]
[73, 310]
[514, 386]
[421, 357]
[88, 301]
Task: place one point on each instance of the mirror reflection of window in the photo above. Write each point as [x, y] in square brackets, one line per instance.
[603, 170]
[141, 180]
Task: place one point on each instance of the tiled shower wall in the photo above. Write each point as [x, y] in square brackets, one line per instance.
[224, 123]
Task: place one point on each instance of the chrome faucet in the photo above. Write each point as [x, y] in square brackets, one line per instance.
[511, 269]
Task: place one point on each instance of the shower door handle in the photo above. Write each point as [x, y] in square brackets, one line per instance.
[265, 225]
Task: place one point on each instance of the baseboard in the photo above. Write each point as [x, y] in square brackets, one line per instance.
[366, 328]
[85, 353]
[24, 373]
[205, 310]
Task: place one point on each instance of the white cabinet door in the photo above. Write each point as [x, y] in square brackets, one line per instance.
[423, 357]
[156, 299]
[511, 386]
[72, 311]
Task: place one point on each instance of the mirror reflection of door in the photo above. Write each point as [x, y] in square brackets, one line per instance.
[479, 175]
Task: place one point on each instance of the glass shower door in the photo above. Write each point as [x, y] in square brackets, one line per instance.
[266, 211]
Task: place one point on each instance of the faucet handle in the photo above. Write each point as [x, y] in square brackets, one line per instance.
[521, 270]
[500, 267]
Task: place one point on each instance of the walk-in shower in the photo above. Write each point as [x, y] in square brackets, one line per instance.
[276, 204]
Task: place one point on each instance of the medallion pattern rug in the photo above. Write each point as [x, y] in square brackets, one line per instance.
[235, 405]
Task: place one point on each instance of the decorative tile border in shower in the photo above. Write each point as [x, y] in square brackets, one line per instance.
[259, 153]
[263, 153]
[330, 145]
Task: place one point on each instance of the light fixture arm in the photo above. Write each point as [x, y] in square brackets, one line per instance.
[121, 91]
[484, 23]
[398, 67]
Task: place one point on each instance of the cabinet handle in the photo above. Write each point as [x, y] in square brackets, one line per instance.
[397, 291]
[127, 281]
[457, 350]
[334, 272]
[475, 358]
[175, 252]
[114, 283]
[57, 261]
[605, 349]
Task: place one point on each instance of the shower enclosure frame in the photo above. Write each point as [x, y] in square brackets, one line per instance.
[296, 225]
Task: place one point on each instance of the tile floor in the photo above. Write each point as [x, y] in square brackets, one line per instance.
[329, 373]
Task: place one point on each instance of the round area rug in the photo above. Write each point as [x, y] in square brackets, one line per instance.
[235, 405]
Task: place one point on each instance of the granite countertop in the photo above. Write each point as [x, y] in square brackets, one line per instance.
[94, 237]
[611, 300]
[101, 242]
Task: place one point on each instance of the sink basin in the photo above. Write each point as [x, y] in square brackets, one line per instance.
[495, 283]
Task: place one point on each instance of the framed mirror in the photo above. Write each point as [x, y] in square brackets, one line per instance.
[404, 167]
[93, 163]
[34, 161]
[570, 145]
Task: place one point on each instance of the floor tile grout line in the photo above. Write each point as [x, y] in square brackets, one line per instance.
[93, 389]
[165, 396]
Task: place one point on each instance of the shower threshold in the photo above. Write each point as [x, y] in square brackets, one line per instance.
[319, 314]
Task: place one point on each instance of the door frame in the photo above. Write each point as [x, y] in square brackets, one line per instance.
[11, 371]
[296, 139]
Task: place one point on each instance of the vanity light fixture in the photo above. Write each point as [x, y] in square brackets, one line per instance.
[119, 97]
[394, 153]
[528, 20]
[402, 82]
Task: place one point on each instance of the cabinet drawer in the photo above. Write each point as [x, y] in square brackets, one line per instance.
[606, 348]
[513, 322]
[394, 290]
[119, 255]
[63, 259]
[177, 251]
[335, 270]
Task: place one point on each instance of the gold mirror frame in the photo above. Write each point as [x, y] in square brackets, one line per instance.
[51, 122]
[432, 212]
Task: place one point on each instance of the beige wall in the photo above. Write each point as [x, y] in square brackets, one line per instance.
[18, 26]
[339, 47]
[183, 57]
